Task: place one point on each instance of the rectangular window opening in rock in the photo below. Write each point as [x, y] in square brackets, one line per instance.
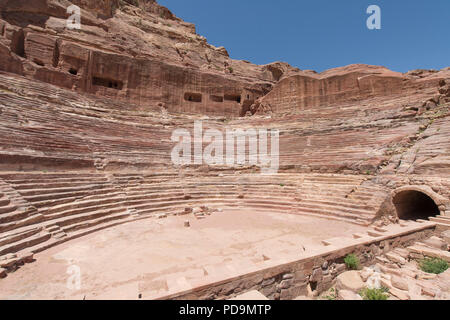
[56, 55]
[108, 83]
[193, 97]
[233, 97]
[18, 43]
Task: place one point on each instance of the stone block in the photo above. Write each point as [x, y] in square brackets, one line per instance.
[350, 280]
[437, 243]
[402, 295]
[285, 284]
[316, 275]
[399, 283]
[396, 258]
[446, 236]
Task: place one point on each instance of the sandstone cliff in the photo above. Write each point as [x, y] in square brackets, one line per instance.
[135, 51]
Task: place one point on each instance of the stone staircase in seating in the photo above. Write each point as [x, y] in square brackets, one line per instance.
[443, 222]
[346, 198]
[65, 206]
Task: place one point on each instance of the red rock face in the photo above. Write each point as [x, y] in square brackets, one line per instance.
[141, 56]
[139, 52]
[341, 85]
[103, 8]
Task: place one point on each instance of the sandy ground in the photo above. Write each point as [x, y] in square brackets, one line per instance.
[148, 256]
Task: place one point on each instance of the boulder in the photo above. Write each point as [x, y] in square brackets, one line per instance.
[366, 273]
[443, 281]
[402, 252]
[316, 275]
[426, 291]
[386, 283]
[350, 280]
[340, 267]
[27, 257]
[399, 283]
[402, 295]
[286, 284]
[348, 295]
[437, 243]
[396, 258]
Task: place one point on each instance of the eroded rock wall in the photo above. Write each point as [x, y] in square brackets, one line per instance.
[134, 51]
[307, 92]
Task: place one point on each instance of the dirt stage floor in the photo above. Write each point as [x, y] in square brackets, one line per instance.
[149, 256]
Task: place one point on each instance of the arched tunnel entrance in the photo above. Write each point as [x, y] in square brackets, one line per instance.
[414, 205]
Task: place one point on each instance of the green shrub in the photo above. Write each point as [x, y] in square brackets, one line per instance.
[433, 265]
[352, 262]
[374, 294]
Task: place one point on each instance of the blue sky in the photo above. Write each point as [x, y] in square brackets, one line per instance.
[323, 34]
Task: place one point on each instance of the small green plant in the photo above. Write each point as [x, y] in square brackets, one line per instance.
[374, 294]
[331, 295]
[433, 265]
[352, 262]
[230, 69]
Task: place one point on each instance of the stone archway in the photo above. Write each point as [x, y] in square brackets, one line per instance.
[416, 202]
